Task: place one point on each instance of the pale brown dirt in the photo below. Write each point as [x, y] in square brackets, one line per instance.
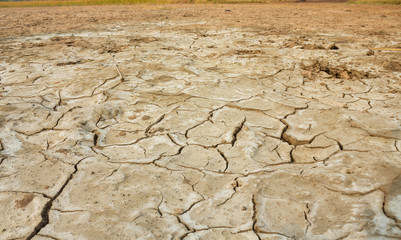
[282, 18]
[275, 121]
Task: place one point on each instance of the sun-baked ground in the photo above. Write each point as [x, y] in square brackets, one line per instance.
[277, 121]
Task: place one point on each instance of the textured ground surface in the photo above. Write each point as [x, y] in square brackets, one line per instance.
[200, 122]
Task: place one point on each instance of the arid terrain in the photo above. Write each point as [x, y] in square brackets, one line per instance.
[276, 121]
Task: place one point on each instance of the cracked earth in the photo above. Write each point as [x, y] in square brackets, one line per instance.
[201, 122]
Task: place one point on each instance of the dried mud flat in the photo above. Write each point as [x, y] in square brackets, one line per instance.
[200, 122]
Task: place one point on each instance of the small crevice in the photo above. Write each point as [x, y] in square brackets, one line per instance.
[291, 156]
[158, 206]
[119, 73]
[96, 135]
[387, 214]
[47, 236]
[185, 235]
[207, 120]
[350, 193]
[196, 125]
[100, 85]
[187, 181]
[48, 205]
[306, 219]
[236, 131]
[153, 124]
[340, 145]
[156, 165]
[254, 218]
[48, 129]
[67, 211]
[213, 227]
[396, 147]
[277, 233]
[112, 172]
[172, 140]
[225, 159]
[42, 194]
[236, 185]
[192, 205]
[204, 229]
[59, 102]
[282, 136]
[58, 120]
[370, 106]
[189, 229]
[204, 170]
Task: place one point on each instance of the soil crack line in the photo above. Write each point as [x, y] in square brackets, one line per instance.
[254, 219]
[151, 125]
[236, 131]
[225, 159]
[48, 205]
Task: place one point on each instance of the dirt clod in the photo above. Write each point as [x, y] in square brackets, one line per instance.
[370, 52]
[392, 65]
[22, 203]
[313, 68]
[333, 47]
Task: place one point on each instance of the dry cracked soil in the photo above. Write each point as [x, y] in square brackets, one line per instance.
[277, 121]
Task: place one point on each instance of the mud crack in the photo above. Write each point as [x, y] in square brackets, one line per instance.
[236, 131]
[48, 205]
[254, 219]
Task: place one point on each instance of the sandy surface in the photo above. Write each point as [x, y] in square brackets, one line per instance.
[276, 121]
[275, 18]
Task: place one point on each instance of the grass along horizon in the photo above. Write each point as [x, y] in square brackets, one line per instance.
[50, 3]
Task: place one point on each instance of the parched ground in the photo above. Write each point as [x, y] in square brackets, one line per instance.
[273, 121]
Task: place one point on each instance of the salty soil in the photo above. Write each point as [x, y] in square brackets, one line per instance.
[275, 121]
